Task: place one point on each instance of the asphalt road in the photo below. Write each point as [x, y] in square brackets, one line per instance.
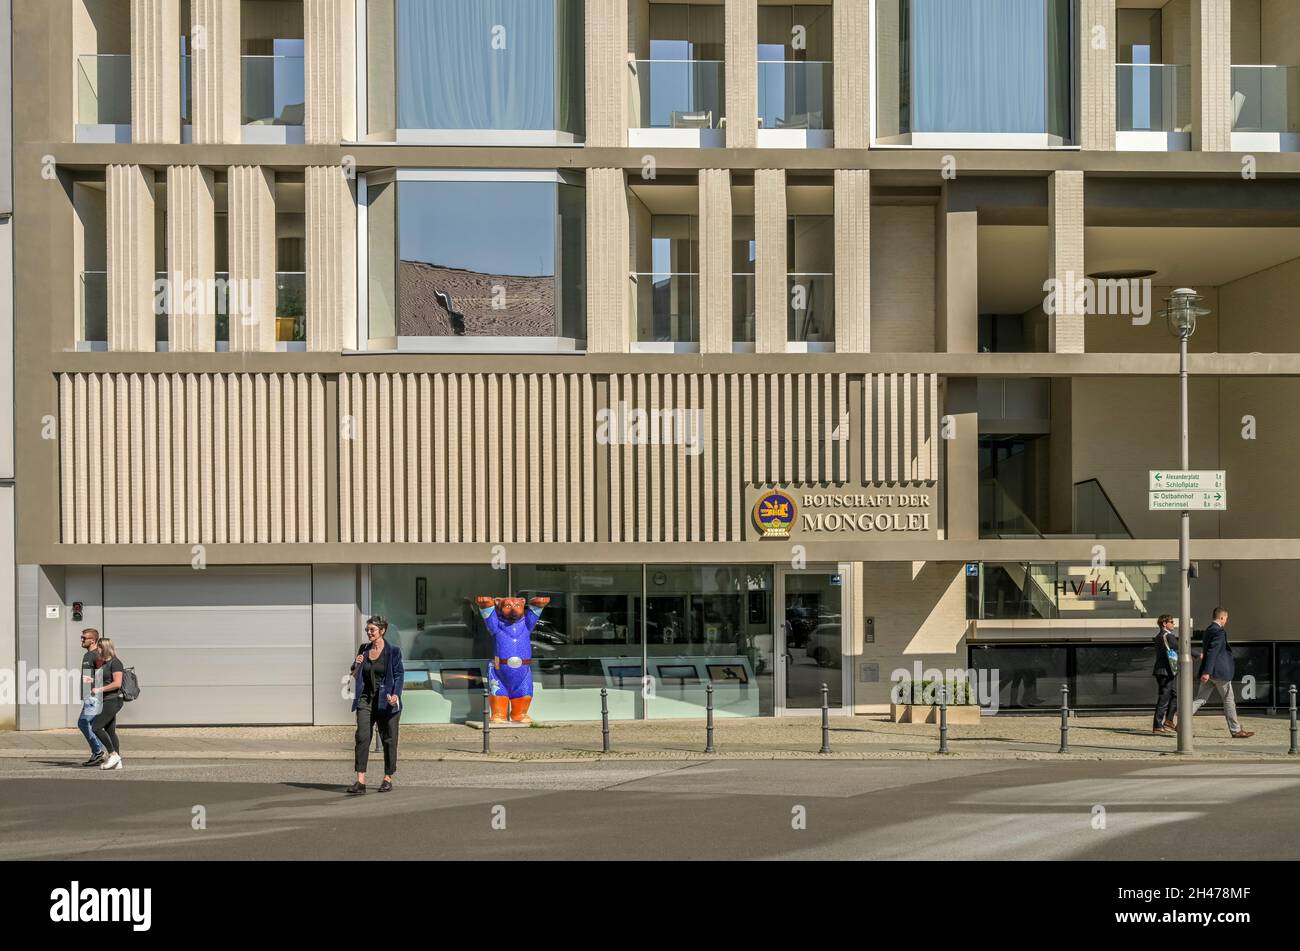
[727, 809]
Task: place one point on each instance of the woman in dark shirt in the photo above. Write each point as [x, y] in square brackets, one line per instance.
[105, 723]
[377, 688]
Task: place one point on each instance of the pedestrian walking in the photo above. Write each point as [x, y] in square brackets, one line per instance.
[1217, 670]
[1166, 673]
[109, 691]
[91, 665]
[377, 700]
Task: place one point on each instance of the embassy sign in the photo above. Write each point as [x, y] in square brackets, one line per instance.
[823, 511]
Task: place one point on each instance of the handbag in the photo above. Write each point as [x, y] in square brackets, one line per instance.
[1170, 653]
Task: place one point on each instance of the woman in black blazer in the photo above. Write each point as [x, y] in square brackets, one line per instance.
[377, 700]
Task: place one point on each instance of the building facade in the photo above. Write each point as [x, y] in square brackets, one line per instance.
[780, 345]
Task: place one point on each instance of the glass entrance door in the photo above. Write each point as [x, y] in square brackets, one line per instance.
[810, 638]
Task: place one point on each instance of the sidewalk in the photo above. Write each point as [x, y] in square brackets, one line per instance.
[1015, 738]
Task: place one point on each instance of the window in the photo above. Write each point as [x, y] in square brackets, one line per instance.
[981, 66]
[500, 65]
[810, 252]
[469, 254]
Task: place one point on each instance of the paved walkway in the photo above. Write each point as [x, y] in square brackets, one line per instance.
[1004, 737]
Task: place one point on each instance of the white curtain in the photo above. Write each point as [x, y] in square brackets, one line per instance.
[476, 64]
[979, 66]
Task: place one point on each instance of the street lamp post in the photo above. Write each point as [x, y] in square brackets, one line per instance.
[1181, 316]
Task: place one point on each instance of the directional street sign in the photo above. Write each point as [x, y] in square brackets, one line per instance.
[1182, 480]
[1212, 501]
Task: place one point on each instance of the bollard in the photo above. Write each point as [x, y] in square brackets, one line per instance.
[604, 719]
[1295, 748]
[1065, 719]
[943, 718]
[487, 722]
[826, 721]
[708, 745]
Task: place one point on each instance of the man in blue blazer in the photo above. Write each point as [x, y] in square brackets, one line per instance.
[1218, 669]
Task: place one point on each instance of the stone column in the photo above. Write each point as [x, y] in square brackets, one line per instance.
[191, 259]
[215, 77]
[851, 74]
[956, 236]
[607, 73]
[852, 260]
[715, 260]
[130, 242]
[331, 259]
[741, 73]
[961, 457]
[771, 267]
[155, 71]
[609, 318]
[1097, 50]
[329, 71]
[1065, 258]
[251, 250]
[1211, 75]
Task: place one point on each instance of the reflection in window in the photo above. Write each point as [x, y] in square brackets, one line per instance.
[477, 259]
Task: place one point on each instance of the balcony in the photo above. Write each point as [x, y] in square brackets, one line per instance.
[667, 311]
[811, 312]
[272, 99]
[794, 105]
[103, 98]
[743, 311]
[1265, 108]
[92, 329]
[678, 104]
[1153, 106]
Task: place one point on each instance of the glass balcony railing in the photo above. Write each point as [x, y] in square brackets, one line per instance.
[187, 109]
[743, 307]
[104, 89]
[679, 94]
[794, 95]
[290, 306]
[94, 307]
[811, 310]
[1265, 99]
[667, 308]
[1153, 98]
[273, 90]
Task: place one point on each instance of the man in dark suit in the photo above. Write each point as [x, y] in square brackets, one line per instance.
[1218, 669]
[1165, 671]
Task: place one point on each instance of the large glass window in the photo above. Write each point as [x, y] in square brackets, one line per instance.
[701, 625]
[593, 639]
[475, 65]
[476, 258]
[709, 625]
[445, 646]
[810, 260]
[975, 66]
[667, 280]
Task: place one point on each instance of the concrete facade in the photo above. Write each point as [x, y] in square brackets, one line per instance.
[344, 456]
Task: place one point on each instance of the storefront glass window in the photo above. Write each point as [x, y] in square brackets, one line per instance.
[709, 625]
[589, 637]
[445, 647]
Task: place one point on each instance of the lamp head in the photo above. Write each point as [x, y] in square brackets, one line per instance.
[1182, 312]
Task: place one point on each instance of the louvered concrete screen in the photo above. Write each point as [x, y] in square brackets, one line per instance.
[155, 458]
[514, 458]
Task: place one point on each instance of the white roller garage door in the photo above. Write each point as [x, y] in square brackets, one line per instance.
[220, 645]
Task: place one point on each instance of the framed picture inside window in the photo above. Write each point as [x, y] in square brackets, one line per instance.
[758, 607]
[421, 597]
